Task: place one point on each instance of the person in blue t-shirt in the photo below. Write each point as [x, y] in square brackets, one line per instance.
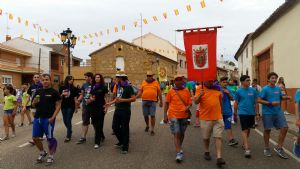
[297, 108]
[273, 117]
[227, 110]
[245, 101]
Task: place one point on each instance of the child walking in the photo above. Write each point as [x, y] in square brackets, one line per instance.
[10, 106]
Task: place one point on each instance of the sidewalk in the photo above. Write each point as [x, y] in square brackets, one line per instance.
[291, 119]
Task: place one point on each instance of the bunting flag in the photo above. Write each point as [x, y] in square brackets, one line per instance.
[84, 36]
[188, 8]
[91, 43]
[52, 39]
[107, 31]
[90, 36]
[176, 12]
[0, 11]
[34, 26]
[165, 15]
[123, 27]
[96, 34]
[32, 39]
[99, 44]
[41, 29]
[203, 4]
[19, 20]
[155, 18]
[10, 17]
[21, 36]
[116, 29]
[135, 24]
[145, 21]
[46, 30]
[78, 38]
[101, 33]
[43, 40]
[201, 47]
[115, 46]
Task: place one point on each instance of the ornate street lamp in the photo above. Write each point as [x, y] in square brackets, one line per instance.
[69, 41]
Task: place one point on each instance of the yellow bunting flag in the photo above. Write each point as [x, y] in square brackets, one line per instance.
[41, 29]
[107, 31]
[43, 40]
[58, 36]
[21, 36]
[176, 12]
[10, 17]
[19, 20]
[99, 44]
[52, 39]
[91, 43]
[155, 18]
[32, 39]
[135, 24]
[123, 27]
[83, 41]
[202, 4]
[78, 38]
[101, 33]
[116, 29]
[145, 21]
[188, 8]
[90, 36]
[96, 34]
[26, 23]
[115, 46]
[165, 15]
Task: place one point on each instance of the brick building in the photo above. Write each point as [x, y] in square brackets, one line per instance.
[132, 59]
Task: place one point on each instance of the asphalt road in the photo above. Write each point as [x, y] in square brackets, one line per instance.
[145, 151]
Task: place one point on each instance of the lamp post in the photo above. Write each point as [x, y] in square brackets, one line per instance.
[69, 41]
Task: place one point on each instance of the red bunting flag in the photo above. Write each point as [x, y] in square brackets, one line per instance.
[200, 47]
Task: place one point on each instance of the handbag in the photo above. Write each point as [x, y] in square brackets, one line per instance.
[188, 111]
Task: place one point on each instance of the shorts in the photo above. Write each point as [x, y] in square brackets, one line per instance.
[42, 126]
[9, 112]
[227, 121]
[178, 126]
[299, 132]
[86, 116]
[277, 121]
[247, 121]
[212, 127]
[149, 108]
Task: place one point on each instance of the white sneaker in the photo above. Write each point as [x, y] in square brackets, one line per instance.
[13, 135]
[96, 146]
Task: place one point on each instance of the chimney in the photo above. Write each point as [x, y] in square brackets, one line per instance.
[8, 37]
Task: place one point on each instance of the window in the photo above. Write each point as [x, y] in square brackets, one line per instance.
[120, 64]
[56, 79]
[180, 63]
[62, 61]
[18, 61]
[6, 79]
[246, 52]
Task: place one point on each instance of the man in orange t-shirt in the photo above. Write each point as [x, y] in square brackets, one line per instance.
[150, 91]
[178, 100]
[211, 120]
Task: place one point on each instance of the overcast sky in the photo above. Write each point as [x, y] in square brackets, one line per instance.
[238, 17]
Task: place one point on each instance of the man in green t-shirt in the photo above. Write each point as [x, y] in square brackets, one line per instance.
[124, 97]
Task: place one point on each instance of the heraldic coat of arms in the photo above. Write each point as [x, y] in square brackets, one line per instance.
[200, 56]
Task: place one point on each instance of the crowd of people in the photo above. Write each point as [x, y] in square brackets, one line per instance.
[220, 102]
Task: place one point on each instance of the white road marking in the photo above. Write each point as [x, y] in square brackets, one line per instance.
[23, 145]
[274, 143]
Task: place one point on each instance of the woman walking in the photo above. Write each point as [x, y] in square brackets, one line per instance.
[96, 105]
[69, 94]
[282, 86]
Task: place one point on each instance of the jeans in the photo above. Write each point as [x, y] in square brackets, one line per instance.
[67, 118]
[98, 122]
[120, 127]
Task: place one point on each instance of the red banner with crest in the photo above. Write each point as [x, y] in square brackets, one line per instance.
[201, 48]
